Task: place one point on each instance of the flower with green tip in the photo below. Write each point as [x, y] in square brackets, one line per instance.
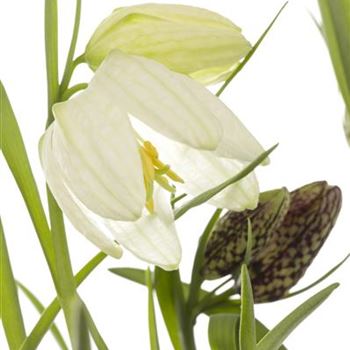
[116, 150]
[188, 40]
[288, 230]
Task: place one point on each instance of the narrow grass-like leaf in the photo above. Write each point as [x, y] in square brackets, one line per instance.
[250, 53]
[261, 331]
[318, 281]
[40, 308]
[34, 338]
[223, 332]
[16, 157]
[247, 334]
[205, 196]
[273, 339]
[10, 309]
[196, 277]
[132, 274]
[152, 324]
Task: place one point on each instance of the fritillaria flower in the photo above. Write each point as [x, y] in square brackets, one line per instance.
[288, 230]
[110, 177]
[186, 39]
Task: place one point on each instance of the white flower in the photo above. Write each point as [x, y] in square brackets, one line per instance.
[112, 184]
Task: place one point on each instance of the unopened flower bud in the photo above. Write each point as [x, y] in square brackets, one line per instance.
[284, 243]
[186, 39]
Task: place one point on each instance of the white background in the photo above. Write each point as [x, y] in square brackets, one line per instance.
[287, 94]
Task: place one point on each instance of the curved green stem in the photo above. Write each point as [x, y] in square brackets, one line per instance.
[73, 90]
[70, 64]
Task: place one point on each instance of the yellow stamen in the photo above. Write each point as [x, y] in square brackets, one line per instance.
[155, 170]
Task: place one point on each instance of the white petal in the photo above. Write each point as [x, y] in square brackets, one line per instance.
[68, 204]
[96, 148]
[237, 141]
[203, 170]
[152, 238]
[170, 103]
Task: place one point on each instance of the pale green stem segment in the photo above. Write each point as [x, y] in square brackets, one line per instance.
[274, 339]
[51, 51]
[40, 308]
[247, 333]
[73, 90]
[10, 309]
[47, 317]
[152, 324]
[72, 305]
[70, 63]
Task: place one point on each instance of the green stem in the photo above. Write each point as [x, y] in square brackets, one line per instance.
[70, 64]
[10, 310]
[73, 90]
[51, 50]
[66, 291]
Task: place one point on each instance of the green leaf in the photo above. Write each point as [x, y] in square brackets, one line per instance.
[261, 331]
[205, 196]
[40, 308]
[154, 343]
[171, 301]
[224, 307]
[48, 316]
[135, 275]
[16, 157]
[196, 277]
[336, 22]
[273, 339]
[247, 335]
[250, 53]
[10, 309]
[223, 332]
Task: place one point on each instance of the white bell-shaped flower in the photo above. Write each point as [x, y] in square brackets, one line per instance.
[110, 178]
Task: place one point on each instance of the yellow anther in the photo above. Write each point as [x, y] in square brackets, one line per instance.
[155, 170]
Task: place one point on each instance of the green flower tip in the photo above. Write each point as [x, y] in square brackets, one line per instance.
[288, 228]
[186, 39]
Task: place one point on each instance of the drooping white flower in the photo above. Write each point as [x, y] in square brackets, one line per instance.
[188, 40]
[111, 180]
